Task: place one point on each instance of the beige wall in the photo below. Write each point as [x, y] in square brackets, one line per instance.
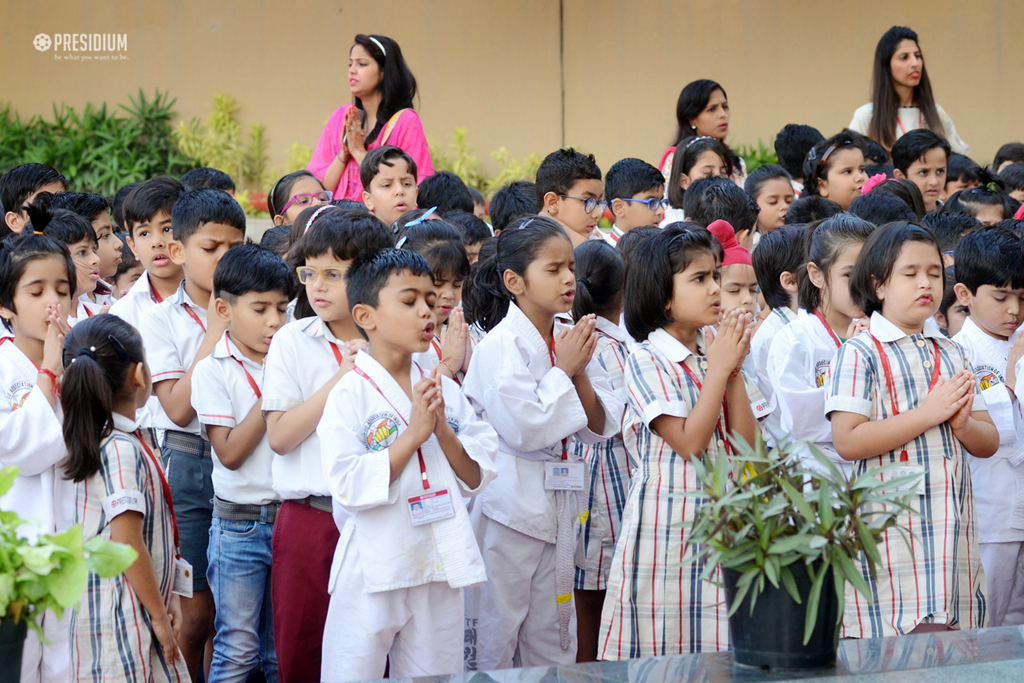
[494, 67]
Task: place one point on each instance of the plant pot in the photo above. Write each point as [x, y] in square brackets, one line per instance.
[772, 637]
[12, 641]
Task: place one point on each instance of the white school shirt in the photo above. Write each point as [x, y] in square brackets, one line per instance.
[910, 118]
[31, 438]
[87, 308]
[222, 396]
[797, 371]
[299, 363]
[758, 368]
[137, 300]
[998, 481]
[672, 215]
[172, 337]
[361, 424]
[532, 406]
[613, 236]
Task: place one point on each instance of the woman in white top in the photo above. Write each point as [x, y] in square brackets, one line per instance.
[901, 95]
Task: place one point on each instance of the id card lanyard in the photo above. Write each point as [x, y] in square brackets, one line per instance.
[723, 423]
[828, 328]
[551, 355]
[891, 384]
[419, 451]
[164, 485]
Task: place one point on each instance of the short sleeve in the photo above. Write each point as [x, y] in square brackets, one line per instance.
[949, 128]
[210, 397]
[850, 383]
[281, 390]
[759, 405]
[125, 477]
[653, 388]
[162, 356]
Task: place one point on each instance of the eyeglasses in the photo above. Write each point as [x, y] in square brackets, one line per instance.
[309, 274]
[306, 198]
[653, 203]
[589, 203]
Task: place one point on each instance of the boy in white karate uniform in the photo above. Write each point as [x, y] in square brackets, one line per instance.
[990, 282]
[401, 448]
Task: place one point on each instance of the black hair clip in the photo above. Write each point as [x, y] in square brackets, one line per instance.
[583, 281]
[122, 355]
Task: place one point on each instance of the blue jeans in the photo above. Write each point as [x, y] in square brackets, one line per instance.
[239, 575]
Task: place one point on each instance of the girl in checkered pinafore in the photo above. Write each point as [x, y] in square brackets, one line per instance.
[684, 397]
[901, 393]
[126, 627]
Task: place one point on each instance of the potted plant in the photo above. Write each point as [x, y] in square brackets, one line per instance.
[49, 573]
[788, 538]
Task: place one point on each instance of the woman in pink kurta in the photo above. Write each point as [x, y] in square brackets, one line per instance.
[383, 89]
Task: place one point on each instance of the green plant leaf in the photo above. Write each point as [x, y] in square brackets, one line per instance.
[7, 476]
[790, 583]
[107, 558]
[814, 599]
[798, 500]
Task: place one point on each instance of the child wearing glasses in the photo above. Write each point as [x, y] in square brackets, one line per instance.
[569, 190]
[305, 361]
[634, 190]
[294, 192]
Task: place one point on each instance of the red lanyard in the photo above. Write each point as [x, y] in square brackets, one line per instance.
[828, 328]
[920, 122]
[88, 313]
[419, 452]
[337, 352]
[156, 295]
[188, 309]
[722, 428]
[252, 382]
[891, 384]
[551, 355]
[163, 482]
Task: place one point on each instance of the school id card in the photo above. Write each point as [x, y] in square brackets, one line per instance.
[564, 476]
[431, 507]
[182, 578]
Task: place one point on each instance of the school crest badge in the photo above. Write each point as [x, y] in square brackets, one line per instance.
[17, 394]
[988, 376]
[380, 431]
[820, 372]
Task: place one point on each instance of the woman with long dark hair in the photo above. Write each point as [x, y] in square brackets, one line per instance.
[901, 95]
[383, 89]
[702, 110]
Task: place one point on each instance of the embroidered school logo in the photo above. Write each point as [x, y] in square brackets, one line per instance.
[380, 431]
[17, 394]
[988, 376]
[41, 42]
[820, 372]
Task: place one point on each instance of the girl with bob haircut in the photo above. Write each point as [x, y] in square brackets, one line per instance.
[901, 95]
[685, 396]
[902, 394]
[383, 89]
[131, 620]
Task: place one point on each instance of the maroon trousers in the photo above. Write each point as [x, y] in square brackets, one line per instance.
[303, 547]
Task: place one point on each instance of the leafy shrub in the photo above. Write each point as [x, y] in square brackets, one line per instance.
[99, 149]
[756, 157]
[462, 162]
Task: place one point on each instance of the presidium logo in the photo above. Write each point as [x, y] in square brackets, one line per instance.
[84, 46]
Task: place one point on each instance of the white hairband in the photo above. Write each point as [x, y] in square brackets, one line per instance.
[378, 44]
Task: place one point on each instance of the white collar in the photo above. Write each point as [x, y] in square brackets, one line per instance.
[885, 330]
[973, 329]
[673, 349]
[182, 297]
[525, 328]
[123, 423]
[226, 348]
[316, 327]
[786, 313]
[617, 233]
[612, 330]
